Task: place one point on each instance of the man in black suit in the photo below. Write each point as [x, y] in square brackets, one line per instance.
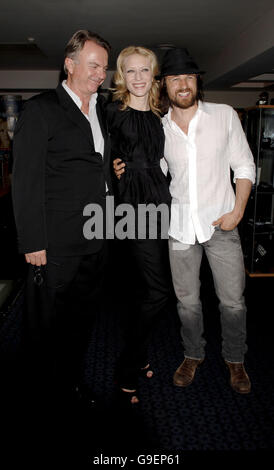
[61, 164]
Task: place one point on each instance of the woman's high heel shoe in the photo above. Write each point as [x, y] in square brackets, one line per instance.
[128, 390]
[129, 396]
[146, 372]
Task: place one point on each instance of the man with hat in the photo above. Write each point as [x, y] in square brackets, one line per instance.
[204, 142]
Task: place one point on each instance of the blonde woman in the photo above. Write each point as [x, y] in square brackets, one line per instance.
[137, 138]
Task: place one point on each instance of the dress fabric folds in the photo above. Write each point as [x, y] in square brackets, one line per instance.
[137, 137]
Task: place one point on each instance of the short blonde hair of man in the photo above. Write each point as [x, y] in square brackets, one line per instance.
[121, 92]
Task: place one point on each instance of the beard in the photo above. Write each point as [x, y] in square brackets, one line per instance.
[186, 103]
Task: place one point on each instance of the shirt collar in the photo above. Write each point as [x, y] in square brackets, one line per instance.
[202, 106]
[76, 99]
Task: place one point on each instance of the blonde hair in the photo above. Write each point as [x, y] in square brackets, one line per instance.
[121, 92]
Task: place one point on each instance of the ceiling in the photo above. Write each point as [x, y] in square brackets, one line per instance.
[233, 41]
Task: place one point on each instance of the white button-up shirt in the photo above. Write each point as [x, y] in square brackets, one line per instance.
[199, 164]
[91, 117]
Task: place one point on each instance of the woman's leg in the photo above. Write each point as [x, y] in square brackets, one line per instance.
[151, 276]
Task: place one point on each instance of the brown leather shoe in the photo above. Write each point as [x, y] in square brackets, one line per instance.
[239, 379]
[184, 375]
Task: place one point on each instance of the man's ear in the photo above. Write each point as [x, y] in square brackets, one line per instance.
[69, 63]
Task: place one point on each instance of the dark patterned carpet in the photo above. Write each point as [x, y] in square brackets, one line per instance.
[207, 421]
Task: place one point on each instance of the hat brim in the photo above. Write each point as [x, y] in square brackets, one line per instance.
[179, 72]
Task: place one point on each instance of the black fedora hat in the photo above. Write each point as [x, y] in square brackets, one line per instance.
[177, 61]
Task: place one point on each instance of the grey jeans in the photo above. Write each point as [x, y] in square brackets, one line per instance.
[224, 254]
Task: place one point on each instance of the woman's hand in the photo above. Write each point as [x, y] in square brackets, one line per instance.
[119, 168]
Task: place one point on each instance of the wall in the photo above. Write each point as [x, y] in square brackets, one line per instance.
[237, 99]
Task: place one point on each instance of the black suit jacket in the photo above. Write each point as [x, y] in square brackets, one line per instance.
[56, 173]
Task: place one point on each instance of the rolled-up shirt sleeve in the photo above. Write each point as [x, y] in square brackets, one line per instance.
[241, 158]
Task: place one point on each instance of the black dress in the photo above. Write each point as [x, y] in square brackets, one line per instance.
[137, 137]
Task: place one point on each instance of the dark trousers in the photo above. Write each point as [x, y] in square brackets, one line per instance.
[148, 292]
[59, 315]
